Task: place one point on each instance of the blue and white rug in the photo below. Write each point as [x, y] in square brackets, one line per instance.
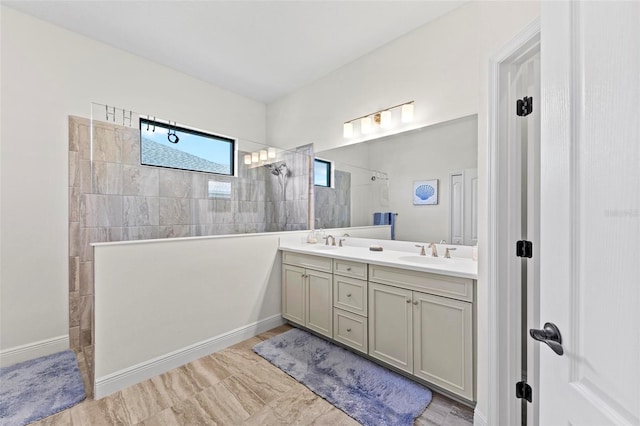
[38, 388]
[371, 394]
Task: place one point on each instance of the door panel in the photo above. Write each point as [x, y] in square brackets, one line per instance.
[320, 302]
[293, 294]
[590, 215]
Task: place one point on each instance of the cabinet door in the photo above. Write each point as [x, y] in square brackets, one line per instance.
[443, 342]
[293, 294]
[320, 302]
[390, 335]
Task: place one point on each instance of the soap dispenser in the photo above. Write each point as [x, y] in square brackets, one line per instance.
[311, 238]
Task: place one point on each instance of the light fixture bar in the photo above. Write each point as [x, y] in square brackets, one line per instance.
[380, 111]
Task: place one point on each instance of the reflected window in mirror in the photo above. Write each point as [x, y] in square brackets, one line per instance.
[322, 170]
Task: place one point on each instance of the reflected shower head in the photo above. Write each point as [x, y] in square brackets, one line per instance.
[278, 169]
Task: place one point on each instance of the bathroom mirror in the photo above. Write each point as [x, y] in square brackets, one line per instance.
[379, 175]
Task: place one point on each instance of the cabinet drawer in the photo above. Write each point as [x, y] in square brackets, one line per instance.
[307, 261]
[350, 329]
[350, 269]
[440, 285]
[350, 294]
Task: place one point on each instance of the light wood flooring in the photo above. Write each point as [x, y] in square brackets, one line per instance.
[231, 387]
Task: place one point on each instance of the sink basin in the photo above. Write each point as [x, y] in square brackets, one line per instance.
[426, 260]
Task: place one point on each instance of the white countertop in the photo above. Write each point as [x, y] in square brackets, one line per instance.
[395, 254]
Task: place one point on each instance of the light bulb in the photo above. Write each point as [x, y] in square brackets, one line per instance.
[347, 131]
[385, 119]
[247, 159]
[407, 113]
[263, 155]
[255, 157]
[365, 125]
[271, 152]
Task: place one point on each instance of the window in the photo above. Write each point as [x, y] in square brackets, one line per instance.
[166, 145]
[322, 173]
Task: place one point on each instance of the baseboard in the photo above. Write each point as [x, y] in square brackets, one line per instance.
[33, 350]
[479, 419]
[130, 376]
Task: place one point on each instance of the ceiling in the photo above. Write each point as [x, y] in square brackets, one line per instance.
[260, 49]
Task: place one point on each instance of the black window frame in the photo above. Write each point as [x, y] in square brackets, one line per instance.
[329, 166]
[213, 137]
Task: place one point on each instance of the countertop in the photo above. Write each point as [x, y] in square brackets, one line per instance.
[397, 254]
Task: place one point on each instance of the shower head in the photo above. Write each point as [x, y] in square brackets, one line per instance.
[278, 169]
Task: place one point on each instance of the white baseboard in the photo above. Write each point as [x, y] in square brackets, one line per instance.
[479, 419]
[135, 374]
[33, 350]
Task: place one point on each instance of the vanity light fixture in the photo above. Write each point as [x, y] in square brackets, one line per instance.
[255, 157]
[247, 159]
[271, 152]
[382, 118]
[260, 156]
[263, 155]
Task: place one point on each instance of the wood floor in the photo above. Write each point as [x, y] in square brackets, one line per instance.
[231, 387]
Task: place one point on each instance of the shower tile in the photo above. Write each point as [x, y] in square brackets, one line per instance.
[74, 315]
[107, 178]
[100, 210]
[176, 231]
[176, 184]
[74, 204]
[84, 174]
[74, 169]
[74, 238]
[86, 278]
[222, 206]
[74, 273]
[140, 211]
[105, 145]
[85, 338]
[88, 236]
[139, 233]
[74, 338]
[86, 312]
[174, 211]
[199, 185]
[140, 180]
[129, 139]
[114, 234]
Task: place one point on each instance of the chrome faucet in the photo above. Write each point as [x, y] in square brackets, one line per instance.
[333, 240]
[447, 255]
[422, 252]
[340, 241]
[434, 252]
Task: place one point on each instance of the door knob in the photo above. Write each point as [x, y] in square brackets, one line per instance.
[549, 335]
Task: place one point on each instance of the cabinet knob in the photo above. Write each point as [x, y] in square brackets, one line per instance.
[348, 330]
[348, 269]
[348, 294]
[415, 302]
[408, 300]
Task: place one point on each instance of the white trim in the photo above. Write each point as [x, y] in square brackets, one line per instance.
[479, 419]
[33, 350]
[137, 373]
[499, 330]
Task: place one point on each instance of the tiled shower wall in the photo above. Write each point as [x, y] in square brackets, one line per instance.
[333, 205]
[114, 198]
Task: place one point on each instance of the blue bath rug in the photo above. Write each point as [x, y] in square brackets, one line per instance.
[38, 388]
[369, 393]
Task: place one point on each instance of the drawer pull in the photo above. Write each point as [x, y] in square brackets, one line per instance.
[415, 302]
[348, 330]
[348, 294]
[408, 300]
[349, 268]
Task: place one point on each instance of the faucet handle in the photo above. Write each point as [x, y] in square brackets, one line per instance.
[340, 241]
[434, 251]
[422, 252]
[447, 255]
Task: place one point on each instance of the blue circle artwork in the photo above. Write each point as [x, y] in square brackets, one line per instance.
[424, 192]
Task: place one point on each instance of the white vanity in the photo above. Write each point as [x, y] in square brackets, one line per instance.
[413, 313]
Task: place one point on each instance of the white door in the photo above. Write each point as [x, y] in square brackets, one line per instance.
[590, 212]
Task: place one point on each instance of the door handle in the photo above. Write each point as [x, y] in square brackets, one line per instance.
[549, 335]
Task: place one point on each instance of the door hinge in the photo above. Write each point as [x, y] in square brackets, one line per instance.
[524, 106]
[523, 391]
[524, 248]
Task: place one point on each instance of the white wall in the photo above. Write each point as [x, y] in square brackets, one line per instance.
[443, 66]
[48, 73]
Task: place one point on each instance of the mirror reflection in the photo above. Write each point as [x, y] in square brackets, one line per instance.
[376, 177]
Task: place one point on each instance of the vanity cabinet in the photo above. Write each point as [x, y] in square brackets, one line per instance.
[422, 333]
[307, 292]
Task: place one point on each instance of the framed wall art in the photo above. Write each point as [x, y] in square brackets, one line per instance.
[425, 192]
